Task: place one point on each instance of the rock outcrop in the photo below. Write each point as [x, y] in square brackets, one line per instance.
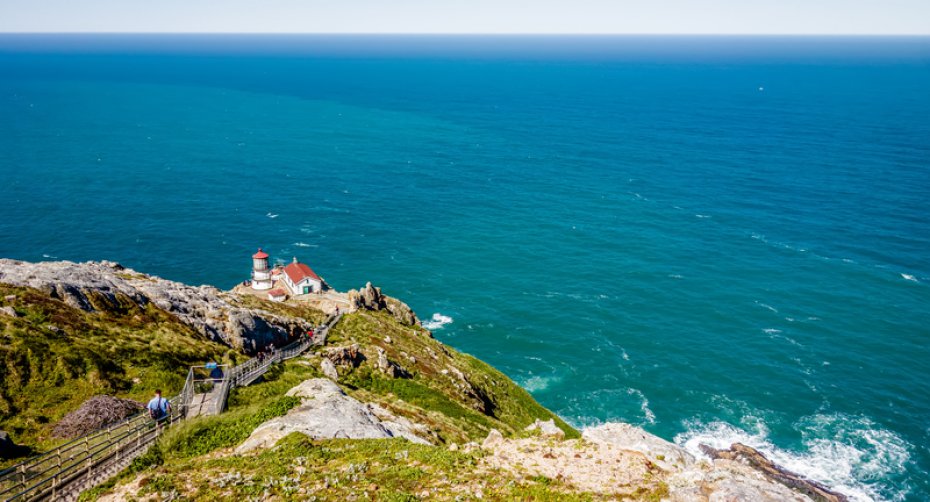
[326, 412]
[108, 286]
[546, 428]
[752, 457]
[622, 461]
[370, 298]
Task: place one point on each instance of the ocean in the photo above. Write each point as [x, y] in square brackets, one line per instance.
[714, 238]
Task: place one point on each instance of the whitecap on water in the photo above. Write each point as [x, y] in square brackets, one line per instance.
[304, 245]
[648, 416]
[909, 277]
[437, 322]
[851, 454]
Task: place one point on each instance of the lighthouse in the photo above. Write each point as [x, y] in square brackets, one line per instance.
[261, 272]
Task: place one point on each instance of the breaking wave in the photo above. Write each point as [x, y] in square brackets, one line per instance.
[438, 321]
[850, 454]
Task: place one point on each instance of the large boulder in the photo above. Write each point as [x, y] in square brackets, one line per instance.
[326, 412]
[546, 428]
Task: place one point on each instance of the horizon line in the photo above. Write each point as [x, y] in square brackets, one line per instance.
[475, 34]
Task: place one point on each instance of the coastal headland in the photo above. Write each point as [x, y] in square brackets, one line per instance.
[382, 410]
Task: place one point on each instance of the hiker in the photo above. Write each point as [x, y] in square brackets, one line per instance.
[310, 334]
[159, 407]
[216, 374]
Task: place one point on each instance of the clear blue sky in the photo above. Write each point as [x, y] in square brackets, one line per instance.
[470, 16]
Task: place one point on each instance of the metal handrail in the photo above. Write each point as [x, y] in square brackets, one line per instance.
[69, 461]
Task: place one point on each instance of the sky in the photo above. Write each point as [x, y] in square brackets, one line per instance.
[829, 17]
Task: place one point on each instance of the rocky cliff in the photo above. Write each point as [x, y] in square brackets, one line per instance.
[382, 411]
[108, 286]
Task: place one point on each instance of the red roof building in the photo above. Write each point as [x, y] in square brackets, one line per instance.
[301, 279]
[260, 255]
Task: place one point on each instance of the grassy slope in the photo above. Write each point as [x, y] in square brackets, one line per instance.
[53, 357]
[458, 410]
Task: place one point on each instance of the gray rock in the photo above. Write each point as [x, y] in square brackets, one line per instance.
[326, 412]
[370, 298]
[94, 286]
[633, 438]
[8, 311]
[329, 369]
[494, 438]
[547, 428]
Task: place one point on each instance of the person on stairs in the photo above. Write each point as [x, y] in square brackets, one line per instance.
[158, 407]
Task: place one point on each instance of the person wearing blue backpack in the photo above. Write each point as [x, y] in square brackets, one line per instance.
[158, 407]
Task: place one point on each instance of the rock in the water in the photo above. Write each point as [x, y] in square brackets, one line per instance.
[494, 438]
[547, 428]
[329, 369]
[326, 412]
[754, 458]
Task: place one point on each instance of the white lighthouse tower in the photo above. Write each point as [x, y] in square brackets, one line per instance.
[261, 272]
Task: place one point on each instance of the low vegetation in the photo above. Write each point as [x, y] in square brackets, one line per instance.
[299, 468]
[460, 396]
[53, 357]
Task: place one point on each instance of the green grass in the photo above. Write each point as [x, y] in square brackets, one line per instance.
[54, 357]
[485, 399]
[299, 468]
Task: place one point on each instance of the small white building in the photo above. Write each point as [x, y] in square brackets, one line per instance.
[301, 280]
[261, 272]
[277, 295]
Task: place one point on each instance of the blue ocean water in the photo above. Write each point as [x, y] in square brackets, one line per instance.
[716, 238]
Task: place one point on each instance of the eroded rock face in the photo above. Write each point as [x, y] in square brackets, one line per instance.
[326, 412]
[108, 286]
[370, 298]
[750, 456]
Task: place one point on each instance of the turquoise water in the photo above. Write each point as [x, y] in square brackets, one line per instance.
[713, 238]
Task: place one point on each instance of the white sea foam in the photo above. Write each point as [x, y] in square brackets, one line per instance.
[624, 355]
[538, 383]
[438, 321]
[909, 277]
[272, 216]
[676, 276]
[852, 455]
[702, 216]
[304, 245]
[767, 306]
[771, 331]
[648, 415]
[49, 256]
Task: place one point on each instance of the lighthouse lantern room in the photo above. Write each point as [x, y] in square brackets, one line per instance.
[261, 272]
